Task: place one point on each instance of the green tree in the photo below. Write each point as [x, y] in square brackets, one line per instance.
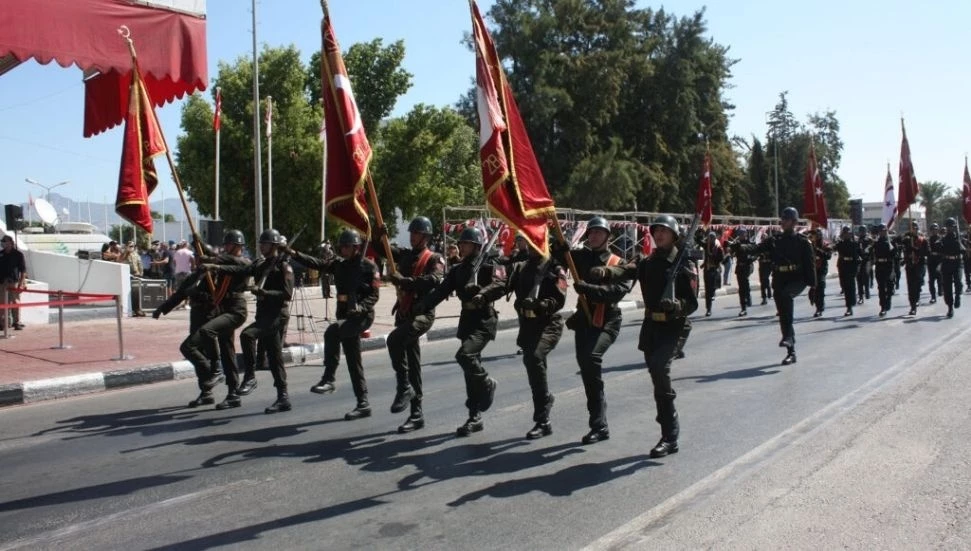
[123, 233]
[930, 196]
[429, 159]
[760, 183]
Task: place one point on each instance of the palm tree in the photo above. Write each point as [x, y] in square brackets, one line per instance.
[930, 196]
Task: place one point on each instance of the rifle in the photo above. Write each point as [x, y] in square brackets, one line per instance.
[477, 263]
[279, 257]
[685, 246]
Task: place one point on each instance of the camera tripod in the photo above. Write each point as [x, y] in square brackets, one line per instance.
[302, 313]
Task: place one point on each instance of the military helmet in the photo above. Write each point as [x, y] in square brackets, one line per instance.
[914, 224]
[790, 213]
[712, 235]
[666, 221]
[935, 226]
[951, 222]
[520, 236]
[598, 223]
[421, 224]
[861, 230]
[845, 229]
[741, 231]
[471, 235]
[271, 236]
[881, 227]
[349, 237]
[234, 237]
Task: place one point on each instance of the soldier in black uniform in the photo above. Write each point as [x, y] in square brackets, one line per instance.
[274, 290]
[935, 283]
[793, 263]
[743, 269]
[952, 253]
[595, 334]
[765, 275]
[848, 265]
[916, 251]
[966, 241]
[665, 320]
[519, 253]
[822, 252]
[866, 263]
[419, 271]
[358, 282]
[898, 258]
[540, 287]
[216, 337]
[883, 257]
[477, 323]
[712, 269]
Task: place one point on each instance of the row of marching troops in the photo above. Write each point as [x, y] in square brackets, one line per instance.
[668, 283]
[862, 259]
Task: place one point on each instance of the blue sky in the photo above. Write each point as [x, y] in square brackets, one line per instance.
[869, 61]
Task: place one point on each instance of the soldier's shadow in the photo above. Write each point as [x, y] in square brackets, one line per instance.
[261, 435]
[146, 422]
[626, 367]
[747, 373]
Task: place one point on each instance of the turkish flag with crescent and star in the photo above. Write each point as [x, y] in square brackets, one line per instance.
[514, 186]
[966, 194]
[907, 180]
[346, 145]
[703, 201]
[814, 200]
[889, 215]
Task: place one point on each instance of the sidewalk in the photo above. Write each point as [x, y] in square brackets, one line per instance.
[34, 369]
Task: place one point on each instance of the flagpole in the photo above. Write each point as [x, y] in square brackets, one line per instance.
[258, 162]
[370, 181]
[269, 159]
[107, 229]
[175, 174]
[581, 298]
[218, 132]
[323, 170]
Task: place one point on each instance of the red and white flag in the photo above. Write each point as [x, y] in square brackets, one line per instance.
[966, 194]
[216, 122]
[909, 188]
[889, 202]
[703, 201]
[814, 199]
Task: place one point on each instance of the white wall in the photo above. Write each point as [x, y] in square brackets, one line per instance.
[69, 273]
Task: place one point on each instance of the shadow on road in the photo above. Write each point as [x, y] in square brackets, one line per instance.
[746, 373]
[110, 489]
[148, 422]
[263, 435]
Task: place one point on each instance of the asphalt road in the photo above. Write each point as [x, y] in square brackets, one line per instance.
[136, 470]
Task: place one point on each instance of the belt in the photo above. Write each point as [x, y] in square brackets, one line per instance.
[884, 260]
[656, 316]
[342, 298]
[847, 260]
[952, 257]
[469, 305]
[787, 268]
[530, 314]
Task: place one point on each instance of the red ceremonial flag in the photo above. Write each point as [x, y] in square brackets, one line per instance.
[514, 186]
[906, 180]
[346, 146]
[219, 110]
[814, 200]
[143, 141]
[966, 194]
[703, 201]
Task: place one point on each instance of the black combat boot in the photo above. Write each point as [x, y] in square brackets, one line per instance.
[213, 381]
[247, 386]
[205, 399]
[790, 357]
[540, 430]
[488, 394]
[362, 410]
[325, 386]
[596, 435]
[957, 300]
[950, 311]
[473, 424]
[282, 403]
[404, 394]
[232, 401]
[664, 447]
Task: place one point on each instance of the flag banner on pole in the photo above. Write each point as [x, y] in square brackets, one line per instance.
[514, 186]
[889, 202]
[143, 141]
[814, 198]
[216, 123]
[703, 201]
[909, 188]
[346, 145]
[966, 194]
[268, 121]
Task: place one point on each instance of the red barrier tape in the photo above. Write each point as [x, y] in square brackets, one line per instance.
[55, 303]
[64, 293]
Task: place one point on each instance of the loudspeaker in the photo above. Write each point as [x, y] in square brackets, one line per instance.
[13, 215]
[856, 211]
[212, 232]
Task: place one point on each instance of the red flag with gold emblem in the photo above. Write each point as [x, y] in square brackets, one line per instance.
[514, 186]
[814, 200]
[966, 194]
[909, 188]
[143, 141]
[703, 201]
[346, 145]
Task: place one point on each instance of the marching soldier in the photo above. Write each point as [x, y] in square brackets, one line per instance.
[794, 270]
[419, 271]
[952, 252]
[358, 283]
[477, 322]
[848, 266]
[765, 276]
[712, 270]
[666, 324]
[863, 271]
[916, 251]
[743, 269]
[898, 258]
[540, 287]
[216, 337]
[595, 334]
[273, 291]
[966, 241]
[519, 253]
[935, 283]
[822, 252]
[883, 258]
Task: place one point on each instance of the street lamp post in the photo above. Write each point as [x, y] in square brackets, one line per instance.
[46, 188]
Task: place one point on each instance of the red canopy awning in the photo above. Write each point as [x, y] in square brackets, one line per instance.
[171, 47]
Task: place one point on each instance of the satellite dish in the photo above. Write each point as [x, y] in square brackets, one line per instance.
[46, 211]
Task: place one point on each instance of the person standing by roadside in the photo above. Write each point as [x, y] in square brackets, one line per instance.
[13, 277]
[131, 257]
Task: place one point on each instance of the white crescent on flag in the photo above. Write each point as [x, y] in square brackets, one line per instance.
[343, 84]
